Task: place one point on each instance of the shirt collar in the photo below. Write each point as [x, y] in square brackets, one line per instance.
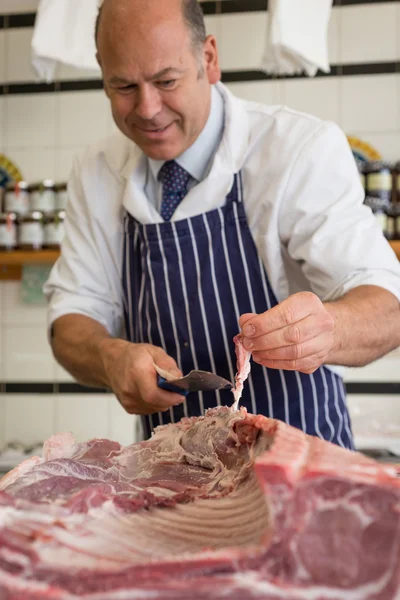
[197, 159]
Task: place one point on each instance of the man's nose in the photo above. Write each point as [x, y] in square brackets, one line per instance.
[148, 103]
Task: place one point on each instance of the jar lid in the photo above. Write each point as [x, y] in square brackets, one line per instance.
[60, 187]
[8, 216]
[33, 215]
[40, 186]
[19, 185]
[376, 204]
[360, 166]
[377, 165]
[54, 216]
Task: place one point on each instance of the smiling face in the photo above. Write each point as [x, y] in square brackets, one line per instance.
[158, 83]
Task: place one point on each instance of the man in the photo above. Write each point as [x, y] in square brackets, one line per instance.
[258, 224]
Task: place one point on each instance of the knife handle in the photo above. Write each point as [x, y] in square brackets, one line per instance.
[165, 385]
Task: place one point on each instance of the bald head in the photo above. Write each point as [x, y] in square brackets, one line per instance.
[112, 10]
[158, 66]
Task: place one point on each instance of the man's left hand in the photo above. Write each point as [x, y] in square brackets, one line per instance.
[295, 335]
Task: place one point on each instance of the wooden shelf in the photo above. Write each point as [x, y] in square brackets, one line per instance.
[24, 257]
[396, 247]
[11, 262]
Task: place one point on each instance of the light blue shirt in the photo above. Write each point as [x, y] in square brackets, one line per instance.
[197, 159]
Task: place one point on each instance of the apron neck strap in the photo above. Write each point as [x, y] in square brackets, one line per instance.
[236, 193]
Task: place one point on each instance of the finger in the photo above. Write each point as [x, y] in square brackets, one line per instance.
[303, 365]
[164, 361]
[244, 318]
[152, 395]
[295, 334]
[293, 309]
[317, 345]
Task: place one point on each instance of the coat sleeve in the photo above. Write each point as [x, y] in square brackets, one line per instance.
[86, 278]
[325, 226]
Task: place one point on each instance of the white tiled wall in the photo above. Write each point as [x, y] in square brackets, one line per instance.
[25, 356]
[30, 418]
[42, 132]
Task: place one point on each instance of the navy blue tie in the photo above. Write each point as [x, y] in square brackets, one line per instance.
[175, 182]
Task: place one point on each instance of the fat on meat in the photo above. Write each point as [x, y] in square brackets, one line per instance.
[243, 357]
[229, 505]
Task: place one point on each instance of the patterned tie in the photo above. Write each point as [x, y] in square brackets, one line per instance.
[175, 181]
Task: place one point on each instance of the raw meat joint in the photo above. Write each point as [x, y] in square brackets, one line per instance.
[227, 506]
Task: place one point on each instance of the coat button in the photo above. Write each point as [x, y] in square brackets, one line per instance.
[186, 344]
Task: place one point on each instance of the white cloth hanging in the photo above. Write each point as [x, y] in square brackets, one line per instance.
[64, 33]
[297, 37]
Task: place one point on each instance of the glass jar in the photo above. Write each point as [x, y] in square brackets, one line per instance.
[8, 231]
[16, 198]
[379, 180]
[391, 222]
[54, 230]
[397, 182]
[61, 196]
[396, 211]
[31, 232]
[43, 196]
[379, 207]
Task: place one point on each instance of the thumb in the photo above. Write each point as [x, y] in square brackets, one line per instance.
[244, 318]
[165, 362]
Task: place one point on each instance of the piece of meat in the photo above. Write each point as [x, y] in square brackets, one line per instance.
[230, 505]
[243, 357]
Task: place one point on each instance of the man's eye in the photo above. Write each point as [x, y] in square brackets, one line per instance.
[168, 83]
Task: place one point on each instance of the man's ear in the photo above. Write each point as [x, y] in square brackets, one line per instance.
[213, 70]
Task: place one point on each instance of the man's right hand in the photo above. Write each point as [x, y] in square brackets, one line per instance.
[133, 379]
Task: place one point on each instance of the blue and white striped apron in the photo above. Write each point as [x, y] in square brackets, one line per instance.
[185, 284]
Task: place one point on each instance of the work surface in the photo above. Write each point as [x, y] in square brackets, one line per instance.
[230, 503]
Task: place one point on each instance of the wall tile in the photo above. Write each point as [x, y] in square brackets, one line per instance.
[2, 126]
[27, 354]
[15, 312]
[319, 97]
[64, 158]
[18, 6]
[237, 50]
[213, 26]
[385, 369]
[68, 72]
[370, 103]
[388, 144]
[2, 56]
[375, 416]
[265, 92]
[334, 36]
[86, 416]
[2, 418]
[62, 376]
[18, 55]
[31, 120]
[29, 418]
[398, 29]
[84, 117]
[2, 349]
[122, 425]
[368, 33]
[40, 164]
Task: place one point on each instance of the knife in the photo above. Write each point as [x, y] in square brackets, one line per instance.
[195, 381]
